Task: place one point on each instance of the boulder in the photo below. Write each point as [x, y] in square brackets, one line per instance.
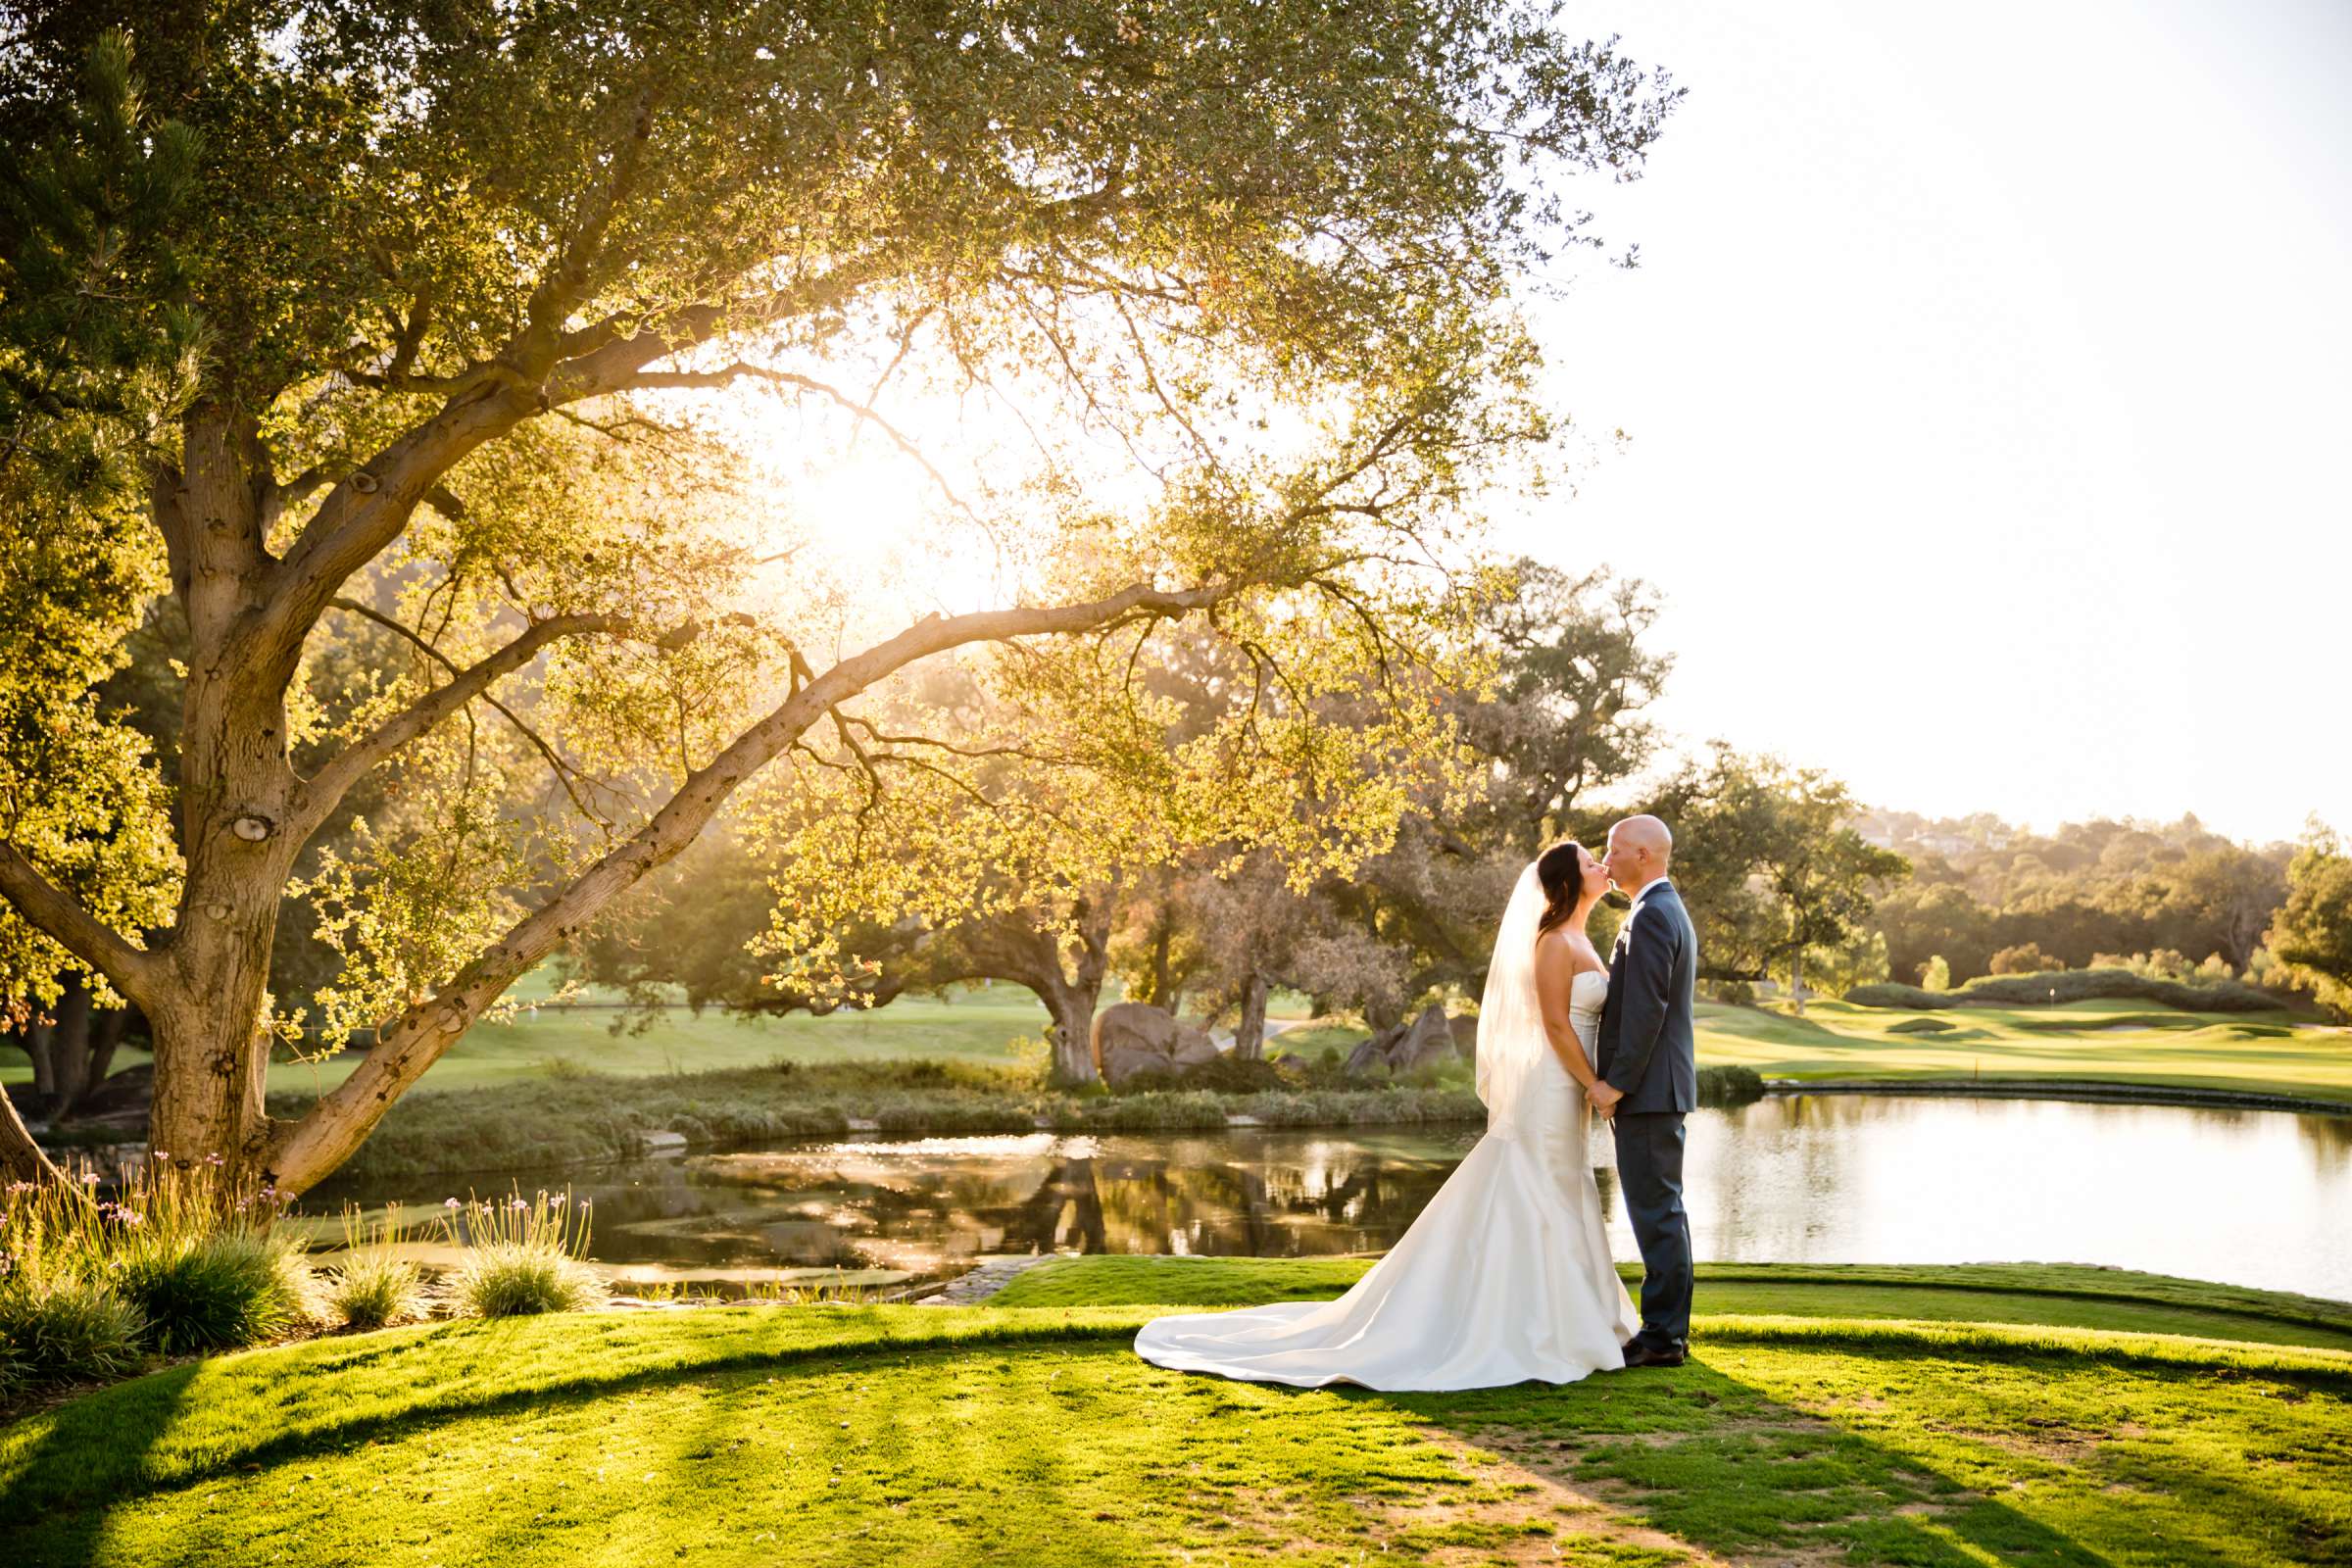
[1428, 1040]
[1368, 1054]
[1133, 1037]
[1465, 1035]
[1400, 1047]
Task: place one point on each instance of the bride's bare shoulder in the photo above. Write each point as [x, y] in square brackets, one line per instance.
[1562, 952]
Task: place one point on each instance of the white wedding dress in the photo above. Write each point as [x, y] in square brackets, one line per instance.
[1503, 1278]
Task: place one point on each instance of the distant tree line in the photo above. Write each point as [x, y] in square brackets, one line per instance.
[2170, 901]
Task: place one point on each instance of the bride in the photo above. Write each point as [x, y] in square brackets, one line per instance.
[1505, 1275]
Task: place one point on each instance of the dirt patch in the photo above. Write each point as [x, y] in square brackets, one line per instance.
[1611, 1509]
[2052, 1441]
[1518, 1511]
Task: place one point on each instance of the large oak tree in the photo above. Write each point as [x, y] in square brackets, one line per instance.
[428, 315]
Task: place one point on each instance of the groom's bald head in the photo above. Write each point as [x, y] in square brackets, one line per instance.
[1640, 850]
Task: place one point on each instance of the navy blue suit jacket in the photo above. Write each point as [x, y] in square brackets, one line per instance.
[1647, 1046]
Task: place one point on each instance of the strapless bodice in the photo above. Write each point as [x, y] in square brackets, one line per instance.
[1587, 994]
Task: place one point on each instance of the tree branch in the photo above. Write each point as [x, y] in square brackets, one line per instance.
[561, 769]
[326, 788]
[135, 972]
[406, 1046]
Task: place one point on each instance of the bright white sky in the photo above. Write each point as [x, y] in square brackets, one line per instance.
[1988, 388]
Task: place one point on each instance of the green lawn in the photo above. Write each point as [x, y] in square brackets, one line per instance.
[2116, 1041]
[1032, 1436]
[2113, 1041]
[2062, 1295]
[972, 1026]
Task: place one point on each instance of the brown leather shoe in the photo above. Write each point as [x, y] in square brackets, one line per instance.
[1641, 1354]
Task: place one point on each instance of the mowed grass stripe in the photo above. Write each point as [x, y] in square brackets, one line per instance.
[1929, 1444]
[2052, 1293]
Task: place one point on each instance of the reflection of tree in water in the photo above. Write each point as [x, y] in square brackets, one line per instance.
[1036, 1225]
[2330, 1141]
[1223, 1208]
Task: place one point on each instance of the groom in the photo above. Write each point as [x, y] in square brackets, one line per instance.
[1648, 1066]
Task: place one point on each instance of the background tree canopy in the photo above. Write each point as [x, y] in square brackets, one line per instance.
[438, 325]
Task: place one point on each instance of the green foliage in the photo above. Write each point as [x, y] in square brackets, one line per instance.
[1773, 869]
[1936, 975]
[178, 1260]
[1730, 1086]
[98, 347]
[221, 1292]
[66, 1330]
[369, 1285]
[1226, 1075]
[2025, 959]
[2312, 932]
[522, 1256]
[507, 1281]
[2060, 986]
[448, 325]
[2086, 890]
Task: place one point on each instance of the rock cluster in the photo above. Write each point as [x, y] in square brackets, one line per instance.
[1133, 1037]
[1403, 1047]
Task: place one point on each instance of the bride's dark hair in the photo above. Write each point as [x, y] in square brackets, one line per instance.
[1560, 871]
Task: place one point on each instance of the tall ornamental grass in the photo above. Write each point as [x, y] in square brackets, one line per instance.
[522, 1255]
[369, 1285]
[177, 1260]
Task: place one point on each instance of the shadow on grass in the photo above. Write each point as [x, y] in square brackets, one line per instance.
[1718, 1456]
[1721, 1464]
[143, 1410]
[94, 1449]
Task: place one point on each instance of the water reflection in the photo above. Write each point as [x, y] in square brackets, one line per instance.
[2255, 1197]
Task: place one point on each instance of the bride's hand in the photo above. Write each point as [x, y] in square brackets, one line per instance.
[1603, 1099]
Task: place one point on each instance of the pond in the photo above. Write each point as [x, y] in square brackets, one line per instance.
[2249, 1197]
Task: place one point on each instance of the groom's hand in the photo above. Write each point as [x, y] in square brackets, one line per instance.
[1603, 1097]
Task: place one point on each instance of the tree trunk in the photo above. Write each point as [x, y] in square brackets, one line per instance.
[1163, 939]
[72, 1049]
[239, 800]
[1249, 1035]
[244, 815]
[20, 1159]
[1072, 1009]
[1797, 980]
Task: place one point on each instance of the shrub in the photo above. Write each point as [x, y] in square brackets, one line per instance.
[508, 1281]
[522, 1256]
[2026, 958]
[2069, 985]
[65, 1331]
[2083, 985]
[1922, 1026]
[1226, 1075]
[179, 1259]
[370, 1286]
[1730, 1086]
[1890, 994]
[221, 1292]
[1936, 974]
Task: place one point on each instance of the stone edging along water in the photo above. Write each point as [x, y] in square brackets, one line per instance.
[2088, 1089]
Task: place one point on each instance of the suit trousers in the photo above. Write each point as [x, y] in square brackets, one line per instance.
[1649, 1174]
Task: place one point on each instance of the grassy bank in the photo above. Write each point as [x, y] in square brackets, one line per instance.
[569, 1117]
[2110, 1042]
[1015, 1435]
[2065, 1295]
[2123, 1042]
